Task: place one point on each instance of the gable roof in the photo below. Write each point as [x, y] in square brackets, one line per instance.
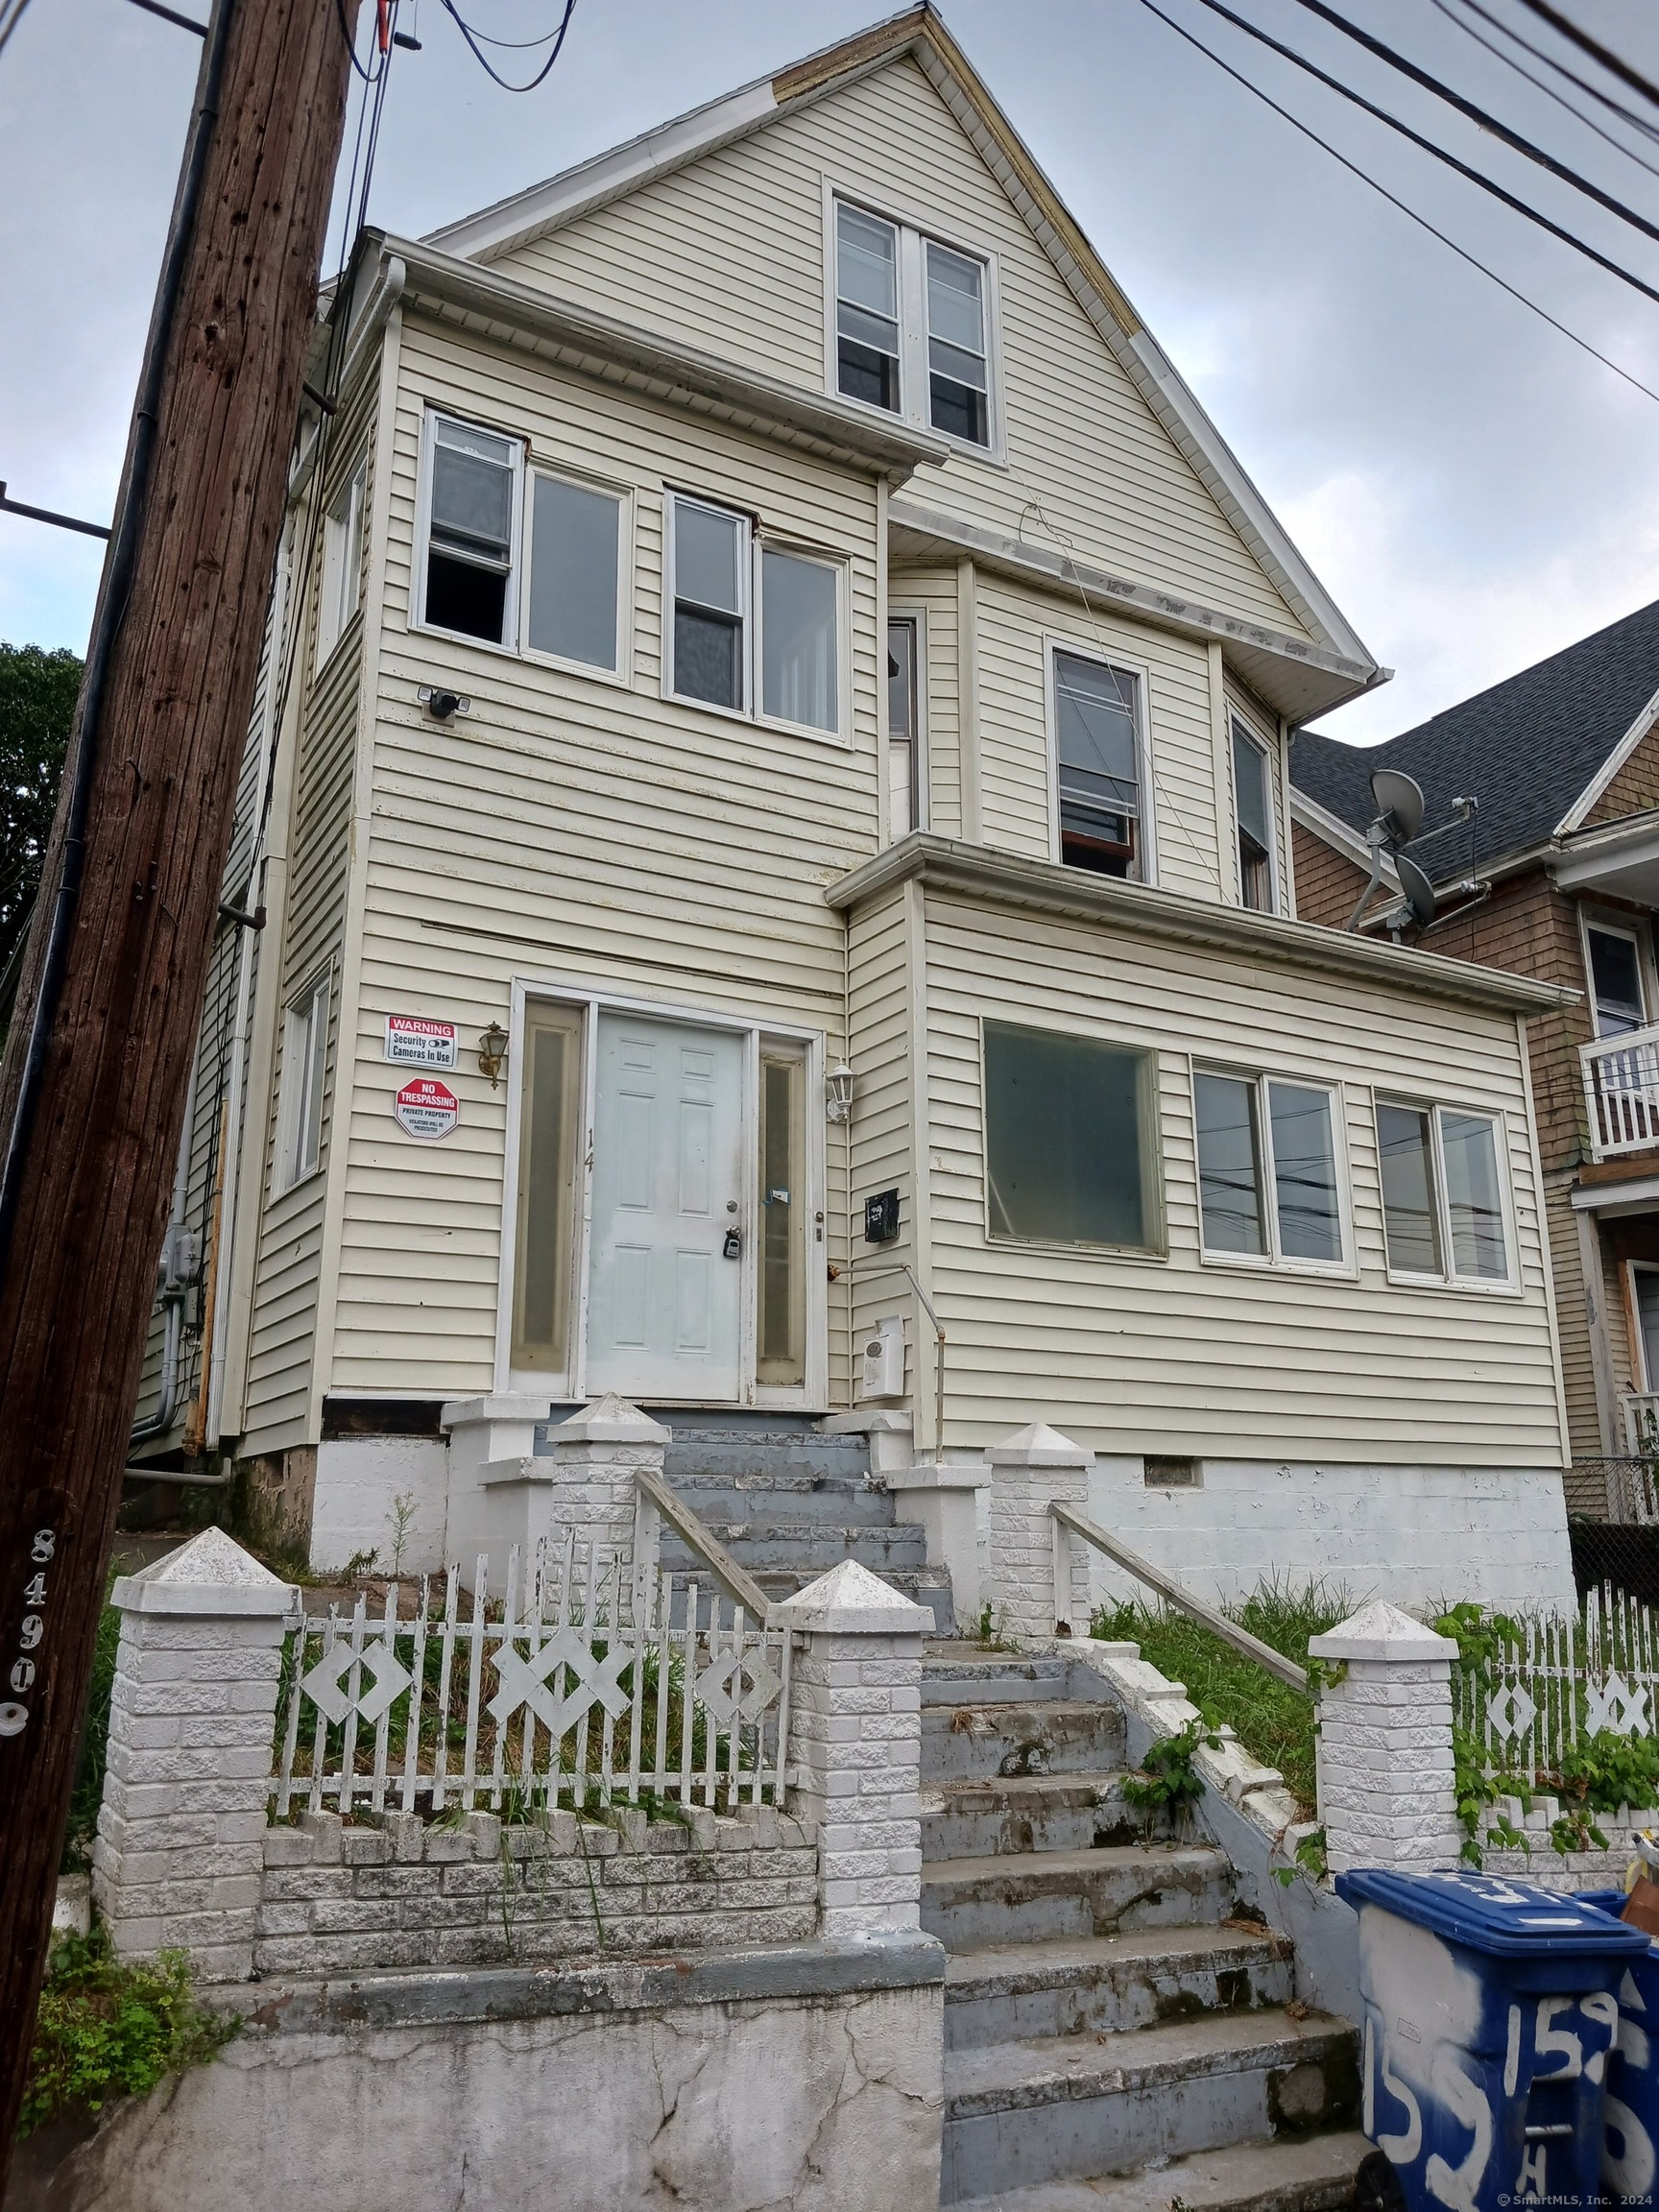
[920, 33]
[1536, 750]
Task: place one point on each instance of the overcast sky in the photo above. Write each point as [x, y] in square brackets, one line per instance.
[1475, 492]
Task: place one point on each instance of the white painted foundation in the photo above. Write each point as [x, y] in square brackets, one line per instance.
[358, 1480]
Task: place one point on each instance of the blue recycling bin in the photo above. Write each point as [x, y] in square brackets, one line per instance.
[1489, 2015]
[1630, 2112]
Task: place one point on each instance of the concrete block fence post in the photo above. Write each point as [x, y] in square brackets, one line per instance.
[855, 1741]
[1039, 1574]
[1386, 1791]
[597, 1453]
[180, 1854]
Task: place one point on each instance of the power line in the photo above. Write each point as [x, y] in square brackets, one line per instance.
[1544, 87]
[171, 16]
[1614, 63]
[1551, 62]
[1499, 130]
[10, 15]
[483, 60]
[1474, 176]
[1422, 221]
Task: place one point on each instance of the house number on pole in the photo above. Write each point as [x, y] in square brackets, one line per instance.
[20, 1674]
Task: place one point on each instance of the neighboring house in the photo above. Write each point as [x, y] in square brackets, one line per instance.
[787, 721]
[1563, 760]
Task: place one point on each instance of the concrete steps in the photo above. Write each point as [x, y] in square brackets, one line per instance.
[1116, 2033]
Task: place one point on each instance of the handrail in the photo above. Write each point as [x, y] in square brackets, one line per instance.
[741, 1588]
[1166, 1586]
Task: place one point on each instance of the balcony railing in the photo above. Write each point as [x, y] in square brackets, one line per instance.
[1622, 1092]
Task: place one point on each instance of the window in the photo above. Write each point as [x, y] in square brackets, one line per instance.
[1069, 1149]
[342, 566]
[912, 325]
[904, 727]
[1267, 1180]
[550, 1109]
[781, 1314]
[575, 552]
[469, 537]
[1442, 1196]
[718, 568]
[1615, 979]
[1253, 803]
[1647, 1286]
[1097, 763]
[304, 1065]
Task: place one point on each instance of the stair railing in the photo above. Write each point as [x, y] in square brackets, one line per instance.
[1066, 1517]
[654, 1496]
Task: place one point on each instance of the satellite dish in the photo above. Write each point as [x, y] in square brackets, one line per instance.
[1400, 797]
[1419, 891]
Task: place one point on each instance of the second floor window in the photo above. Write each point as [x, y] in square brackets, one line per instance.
[1098, 766]
[1253, 801]
[1267, 1169]
[342, 564]
[304, 1070]
[1442, 1196]
[1615, 981]
[469, 547]
[903, 731]
[912, 325]
[720, 573]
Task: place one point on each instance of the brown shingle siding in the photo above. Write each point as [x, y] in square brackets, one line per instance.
[1327, 883]
[1635, 789]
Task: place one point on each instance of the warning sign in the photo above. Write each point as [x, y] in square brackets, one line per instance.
[425, 1108]
[414, 1042]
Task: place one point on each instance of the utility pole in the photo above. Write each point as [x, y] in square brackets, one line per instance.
[92, 1092]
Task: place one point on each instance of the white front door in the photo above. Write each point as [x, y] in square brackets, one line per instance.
[664, 1298]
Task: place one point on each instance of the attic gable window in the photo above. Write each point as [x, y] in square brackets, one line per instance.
[911, 325]
[473, 509]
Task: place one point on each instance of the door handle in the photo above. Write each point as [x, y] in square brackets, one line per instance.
[732, 1248]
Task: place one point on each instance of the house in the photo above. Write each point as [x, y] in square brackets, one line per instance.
[768, 808]
[1563, 761]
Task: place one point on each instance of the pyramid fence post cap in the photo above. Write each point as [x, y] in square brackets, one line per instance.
[610, 1420]
[1381, 1631]
[852, 1602]
[1038, 1445]
[210, 1574]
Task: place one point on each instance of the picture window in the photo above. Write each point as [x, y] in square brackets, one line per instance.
[575, 552]
[1069, 1152]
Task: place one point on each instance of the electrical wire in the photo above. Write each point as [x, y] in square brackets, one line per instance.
[483, 60]
[1614, 63]
[1488, 184]
[10, 15]
[1499, 130]
[1551, 62]
[1422, 221]
[1544, 87]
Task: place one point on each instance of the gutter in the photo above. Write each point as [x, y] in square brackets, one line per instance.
[1170, 917]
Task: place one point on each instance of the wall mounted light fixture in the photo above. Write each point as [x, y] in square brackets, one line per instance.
[838, 1093]
[493, 1052]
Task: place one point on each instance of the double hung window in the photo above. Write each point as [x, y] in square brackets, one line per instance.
[473, 523]
[912, 325]
[904, 727]
[720, 573]
[1071, 1146]
[1267, 1177]
[342, 564]
[1615, 979]
[305, 1068]
[1098, 766]
[1442, 1194]
[1253, 805]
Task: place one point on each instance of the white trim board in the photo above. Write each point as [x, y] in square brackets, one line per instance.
[1595, 788]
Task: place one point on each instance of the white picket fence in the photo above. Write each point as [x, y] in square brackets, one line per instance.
[587, 1680]
[1568, 1679]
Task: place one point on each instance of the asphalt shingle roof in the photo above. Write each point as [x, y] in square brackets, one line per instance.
[1525, 749]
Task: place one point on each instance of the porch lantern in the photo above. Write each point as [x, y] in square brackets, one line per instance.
[838, 1089]
[493, 1052]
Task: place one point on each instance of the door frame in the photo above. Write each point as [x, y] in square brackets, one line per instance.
[590, 998]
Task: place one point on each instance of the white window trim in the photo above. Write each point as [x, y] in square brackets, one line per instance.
[590, 998]
[914, 229]
[1078, 1248]
[1508, 1286]
[293, 1091]
[1643, 1377]
[622, 675]
[910, 611]
[1054, 642]
[340, 586]
[1592, 916]
[1268, 752]
[757, 542]
[514, 438]
[1273, 1261]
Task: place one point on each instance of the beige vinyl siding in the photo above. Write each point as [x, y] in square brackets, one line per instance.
[283, 1336]
[883, 1113]
[728, 254]
[1176, 1354]
[572, 829]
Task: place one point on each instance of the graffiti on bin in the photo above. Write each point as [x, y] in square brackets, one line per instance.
[1463, 2079]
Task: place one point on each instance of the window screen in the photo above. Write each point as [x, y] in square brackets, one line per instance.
[799, 653]
[470, 549]
[1616, 978]
[1474, 1204]
[711, 550]
[1251, 797]
[1098, 769]
[1410, 1210]
[867, 308]
[1229, 1165]
[957, 386]
[1066, 1153]
[1310, 1218]
[574, 542]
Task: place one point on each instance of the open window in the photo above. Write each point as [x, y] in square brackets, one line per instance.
[1070, 1139]
[1443, 1201]
[304, 1072]
[472, 521]
[549, 1113]
[1268, 1180]
[1098, 766]
[1252, 809]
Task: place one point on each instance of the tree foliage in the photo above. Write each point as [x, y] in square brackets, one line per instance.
[37, 694]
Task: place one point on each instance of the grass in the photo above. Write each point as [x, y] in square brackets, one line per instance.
[1273, 1721]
